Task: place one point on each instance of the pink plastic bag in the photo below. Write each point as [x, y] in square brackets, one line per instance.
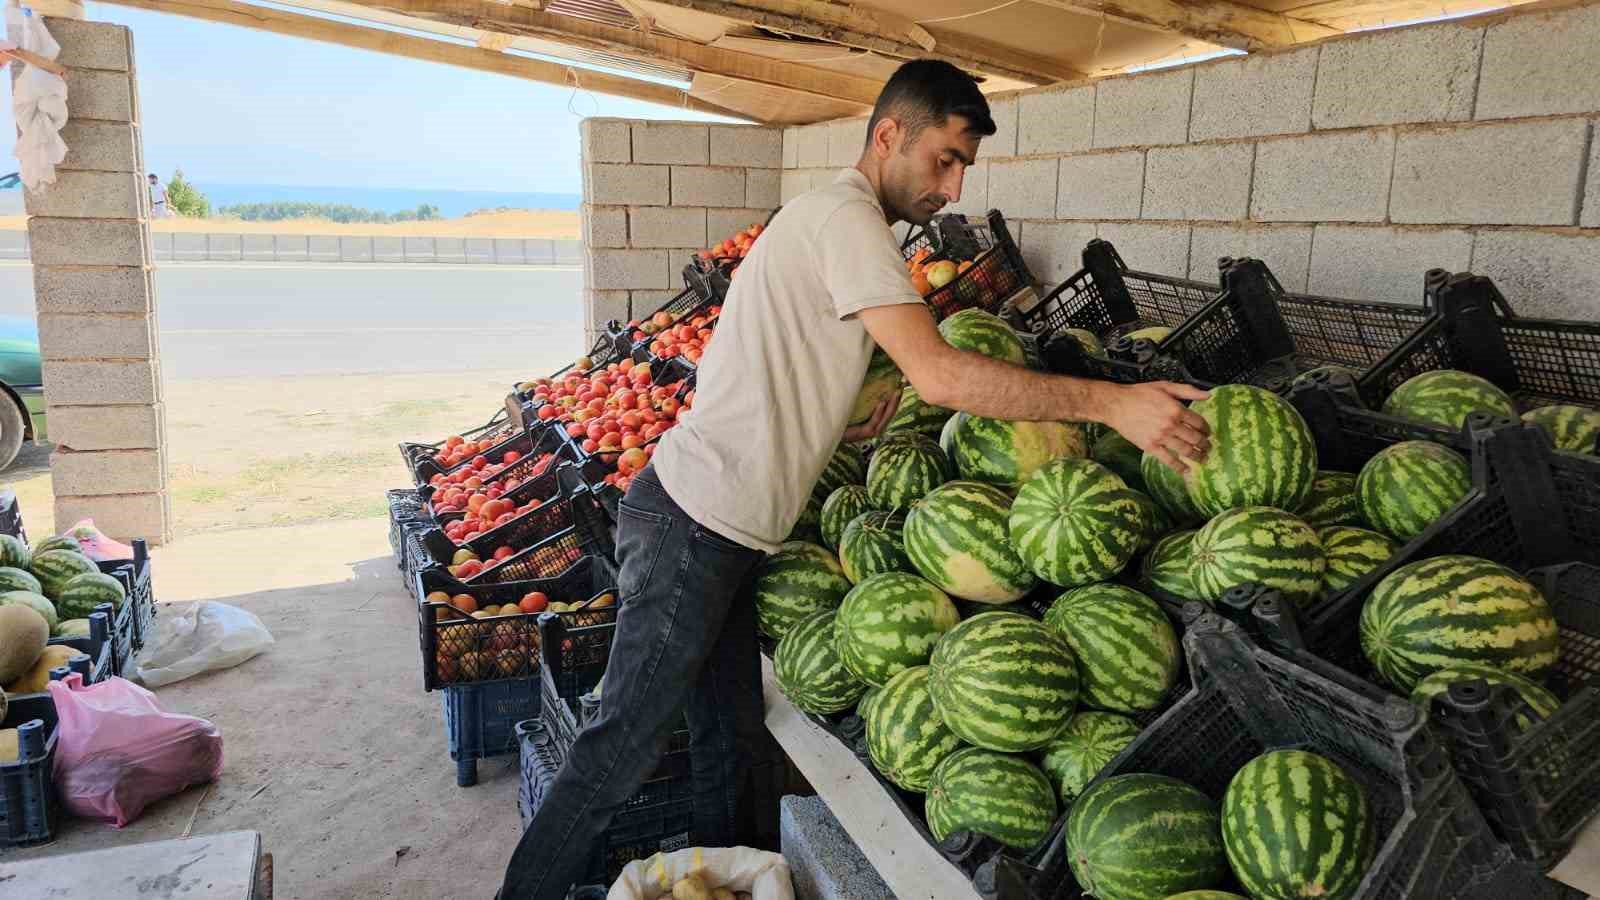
[96, 545]
[117, 750]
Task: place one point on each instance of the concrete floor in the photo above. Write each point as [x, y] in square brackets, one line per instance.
[332, 749]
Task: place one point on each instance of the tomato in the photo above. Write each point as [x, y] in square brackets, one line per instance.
[533, 602]
[590, 445]
[575, 429]
[453, 440]
[548, 411]
[669, 406]
[653, 430]
[465, 603]
[503, 553]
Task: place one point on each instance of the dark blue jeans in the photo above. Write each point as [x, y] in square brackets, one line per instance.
[685, 644]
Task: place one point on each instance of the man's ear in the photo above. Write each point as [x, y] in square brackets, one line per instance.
[885, 137]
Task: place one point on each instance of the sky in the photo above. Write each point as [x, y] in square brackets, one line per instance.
[232, 105]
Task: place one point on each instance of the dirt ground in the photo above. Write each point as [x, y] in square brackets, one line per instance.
[532, 223]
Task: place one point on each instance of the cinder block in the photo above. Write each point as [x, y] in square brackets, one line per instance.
[1053, 250]
[600, 307]
[791, 147]
[1004, 140]
[1055, 121]
[671, 142]
[449, 249]
[1209, 181]
[95, 337]
[1162, 249]
[1542, 274]
[1398, 75]
[1591, 195]
[92, 45]
[1265, 94]
[846, 138]
[1143, 109]
[1538, 64]
[1100, 186]
[666, 226]
[261, 246]
[627, 185]
[722, 223]
[100, 147]
[605, 141]
[974, 190]
[794, 182]
[605, 226]
[96, 94]
[1522, 173]
[292, 247]
[119, 290]
[1286, 249]
[813, 146]
[94, 472]
[626, 269]
[106, 427]
[1023, 188]
[99, 383]
[1383, 263]
[762, 188]
[1323, 177]
[707, 186]
[747, 145]
[645, 303]
[87, 242]
[122, 517]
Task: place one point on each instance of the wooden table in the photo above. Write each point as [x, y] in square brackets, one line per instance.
[227, 866]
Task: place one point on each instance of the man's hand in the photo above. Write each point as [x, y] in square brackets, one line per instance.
[1153, 418]
[874, 426]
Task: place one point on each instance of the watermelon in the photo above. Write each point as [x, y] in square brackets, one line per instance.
[808, 528]
[903, 470]
[1007, 454]
[14, 553]
[1408, 486]
[847, 465]
[1332, 501]
[995, 794]
[809, 671]
[864, 705]
[1542, 703]
[70, 628]
[54, 568]
[1118, 454]
[1088, 340]
[1571, 427]
[1169, 490]
[916, 416]
[799, 580]
[840, 509]
[871, 545]
[1261, 454]
[56, 542]
[1138, 836]
[1449, 610]
[890, 622]
[1446, 397]
[1155, 334]
[956, 538]
[1295, 825]
[906, 738]
[1004, 682]
[1156, 521]
[14, 579]
[986, 333]
[36, 602]
[880, 382]
[1260, 544]
[1352, 553]
[87, 591]
[1091, 741]
[1076, 523]
[1166, 566]
[1126, 648]
[1207, 895]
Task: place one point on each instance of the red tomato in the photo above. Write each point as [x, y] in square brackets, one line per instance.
[504, 553]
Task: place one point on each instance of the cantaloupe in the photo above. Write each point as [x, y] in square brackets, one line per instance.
[37, 678]
[23, 635]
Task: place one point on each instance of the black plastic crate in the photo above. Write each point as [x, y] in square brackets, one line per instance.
[544, 441]
[30, 811]
[11, 515]
[97, 661]
[140, 604]
[579, 528]
[419, 457]
[480, 721]
[692, 302]
[601, 463]
[405, 508]
[521, 408]
[557, 479]
[998, 273]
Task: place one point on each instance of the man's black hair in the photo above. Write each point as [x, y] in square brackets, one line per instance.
[927, 92]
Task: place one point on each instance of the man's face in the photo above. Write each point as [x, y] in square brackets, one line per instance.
[924, 174]
[152, 179]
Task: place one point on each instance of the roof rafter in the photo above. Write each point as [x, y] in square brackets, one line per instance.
[1223, 22]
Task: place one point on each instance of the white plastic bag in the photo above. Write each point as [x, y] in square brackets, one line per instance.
[197, 637]
[763, 875]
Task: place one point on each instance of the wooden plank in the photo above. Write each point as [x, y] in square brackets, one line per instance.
[912, 869]
[211, 867]
[1222, 22]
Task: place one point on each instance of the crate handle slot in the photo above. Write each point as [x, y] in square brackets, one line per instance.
[1216, 647]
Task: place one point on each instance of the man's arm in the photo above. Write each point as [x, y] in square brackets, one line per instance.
[1151, 416]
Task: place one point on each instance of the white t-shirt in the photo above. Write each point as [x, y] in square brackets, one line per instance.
[776, 384]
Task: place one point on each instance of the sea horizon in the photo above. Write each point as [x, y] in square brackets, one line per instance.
[451, 203]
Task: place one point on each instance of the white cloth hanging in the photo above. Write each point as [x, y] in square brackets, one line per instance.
[39, 101]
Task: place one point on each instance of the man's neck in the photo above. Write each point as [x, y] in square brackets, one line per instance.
[870, 173]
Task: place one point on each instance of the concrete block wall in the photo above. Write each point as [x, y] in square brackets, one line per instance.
[91, 247]
[654, 193]
[1351, 166]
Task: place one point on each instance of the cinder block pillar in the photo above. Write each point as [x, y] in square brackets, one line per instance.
[95, 298]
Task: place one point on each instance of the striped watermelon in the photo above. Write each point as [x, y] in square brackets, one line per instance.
[1139, 836]
[1126, 649]
[56, 542]
[35, 602]
[997, 794]
[881, 381]
[1260, 544]
[1261, 454]
[87, 591]
[808, 669]
[904, 469]
[871, 545]
[14, 579]
[1207, 895]
[916, 416]
[1007, 454]
[847, 465]
[1332, 501]
[1118, 454]
[799, 580]
[14, 553]
[54, 568]
[1157, 524]
[841, 508]
[1542, 703]
[1170, 492]
[890, 622]
[1092, 740]
[1088, 340]
[1446, 397]
[864, 705]
[986, 333]
[1074, 523]
[1449, 610]
[906, 738]
[1352, 553]
[1166, 566]
[956, 538]
[1295, 825]
[1004, 682]
[1571, 427]
[1408, 486]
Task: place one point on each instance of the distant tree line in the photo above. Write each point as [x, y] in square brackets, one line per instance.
[280, 210]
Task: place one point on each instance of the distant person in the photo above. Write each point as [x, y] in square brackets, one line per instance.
[158, 199]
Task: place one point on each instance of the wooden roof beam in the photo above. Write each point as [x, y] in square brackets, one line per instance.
[1222, 22]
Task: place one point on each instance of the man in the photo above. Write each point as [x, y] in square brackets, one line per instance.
[824, 282]
[158, 198]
